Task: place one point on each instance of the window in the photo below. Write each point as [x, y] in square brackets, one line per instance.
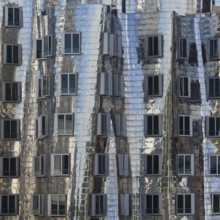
[13, 16]
[38, 204]
[153, 85]
[215, 203]
[72, 43]
[103, 124]
[214, 164]
[185, 164]
[120, 121]
[9, 166]
[124, 200]
[8, 204]
[185, 125]
[105, 86]
[101, 164]
[184, 87]
[56, 205]
[152, 164]
[10, 129]
[60, 164]
[11, 91]
[43, 86]
[153, 125]
[214, 48]
[213, 87]
[68, 83]
[39, 165]
[42, 126]
[152, 204]
[153, 46]
[65, 124]
[183, 48]
[185, 204]
[118, 85]
[213, 126]
[123, 165]
[112, 44]
[12, 54]
[99, 205]
[44, 47]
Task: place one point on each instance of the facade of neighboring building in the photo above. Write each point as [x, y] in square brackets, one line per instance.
[109, 109]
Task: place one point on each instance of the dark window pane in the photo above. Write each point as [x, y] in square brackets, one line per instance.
[212, 126]
[65, 164]
[12, 204]
[180, 204]
[14, 92]
[187, 125]
[156, 125]
[156, 46]
[39, 88]
[16, 17]
[10, 16]
[187, 164]
[72, 82]
[150, 46]
[14, 128]
[181, 164]
[76, 43]
[217, 88]
[45, 85]
[181, 128]
[156, 164]
[15, 54]
[156, 209]
[6, 167]
[101, 164]
[39, 49]
[156, 85]
[69, 124]
[216, 204]
[188, 204]
[149, 125]
[213, 165]
[9, 54]
[150, 85]
[67, 48]
[149, 164]
[104, 124]
[64, 83]
[13, 166]
[5, 208]
[61, 124]
[211, 88]
[7, 130]
[149, 208]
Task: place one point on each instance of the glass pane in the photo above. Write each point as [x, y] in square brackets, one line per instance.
[156, 125]
[54, 206]
[186, 86]
[156, 46]
[217, 88]
[13, 166]
[187, 164]
[99, 208]
[187, 203]
[5, 208]
[60, 124]
[181, 164]
[180, 204]
[211, 126]
[7, 130]
[184, 48]
[149, 165]
[72, 83]
[149, 208]
[156, 209]
[6, 167]
[8, 91]
[42, 165]
[181, 131]
[76, 43]
[65, 164]
[69, 124]
[39, 49]
[14, 91]
[35, 202]
[156, 164]
[156, 85]
[57, 164]
[36, 166]
[12, 204]
[216, 204]
[14, 128]
[45, 85]
[64, 83]
[9, 54]
[149, 125]
[101, 164]
[150, 85]
[15, 54]
[10, 16]
[150, 46]
[218, 164]
[217, 133]
[39, 88]
[43, 125]
[16, 17]
[62, 204]
[211, 88]
[104, 124]
[213, 165]
[46, 46]
[187, 125]
[67, 46]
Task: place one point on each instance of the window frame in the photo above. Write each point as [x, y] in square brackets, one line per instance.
[105, 84]
[160, 46]
[103, 124]
[102, 198]
[120, 125]
[43, 81]
[79, 49]
[43, 55]
[217, 159]
[181, 48]
[192, 203]
[6, 17]
[152, 204]
[146, 129]
[182, 85]
[16, 204]
[184, 165]
[39, 211]
[184, 126]
[101, 160]
[3, 129]
[152, 168]
[207, 125]
[61, 168]
[213, 55]
[5, 55]
[68, 87]
[159, 85]
[4, 92]
[58, 204]
[42, 165]
[208, 88]
[17, 166]
[42, 121]
[65, 129]
[212, 203]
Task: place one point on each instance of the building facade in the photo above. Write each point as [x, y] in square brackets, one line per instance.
[110, 109]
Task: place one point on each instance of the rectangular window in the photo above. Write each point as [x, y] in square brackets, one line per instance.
[118, 85]
[68, 83]
[101, 164]
[44, 47]
[56, 205]
[10, 129]
[214, 165]
[38, 204]
[152, 164]
[9, 166]
[123, 164]
[120, 122]
[13, 16]
[184, 87]
[43, 86]
[152, 125]
[153, 46]
[213, 126]
[215, 203]
[8, 204]
[103, 127]
[213, 88]
[124, 204]
[42, 126]
[185, 164]
[11, 91]
[185, 204]
[153, 85]
[105, 84]
[60, 164]
[213, 48]
[152, 204]
[185, 125]
[65, 124]
[72, 43]
[39, 165]
[183, 48]
[12, 54]
[99, 205]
